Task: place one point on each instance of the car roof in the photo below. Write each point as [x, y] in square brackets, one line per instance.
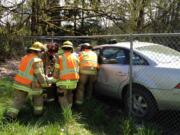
[136, 44]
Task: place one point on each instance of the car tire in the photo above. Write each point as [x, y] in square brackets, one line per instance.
[143, 104]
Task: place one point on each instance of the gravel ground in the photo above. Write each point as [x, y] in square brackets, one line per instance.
[9, 68]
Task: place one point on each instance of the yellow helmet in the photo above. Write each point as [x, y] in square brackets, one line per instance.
[67, 44]
[85, 46]
[37, 46]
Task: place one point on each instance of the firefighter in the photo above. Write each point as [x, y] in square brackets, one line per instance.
[88, 69]
[66, 75]
[49, 58]
[29, 80]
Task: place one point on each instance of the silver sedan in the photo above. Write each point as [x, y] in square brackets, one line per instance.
[155, 76]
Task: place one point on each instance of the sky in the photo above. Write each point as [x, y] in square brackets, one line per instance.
[6, 17]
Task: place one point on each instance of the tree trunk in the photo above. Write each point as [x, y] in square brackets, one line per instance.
[33, 18]
[140, 19]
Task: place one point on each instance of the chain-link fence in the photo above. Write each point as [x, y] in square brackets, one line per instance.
[154, 80]
[143, 70]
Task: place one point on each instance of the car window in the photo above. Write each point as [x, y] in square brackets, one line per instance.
[114, 56]
[159, 53]
[97, 51]
[138, 60]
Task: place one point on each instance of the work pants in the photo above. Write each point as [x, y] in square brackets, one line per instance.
[85, 85]
[51, 94]
[65, 97]
[19, 101]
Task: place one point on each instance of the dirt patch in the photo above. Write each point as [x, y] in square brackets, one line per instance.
[9, 68]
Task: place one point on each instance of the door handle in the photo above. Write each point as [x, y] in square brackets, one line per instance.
[122, 74]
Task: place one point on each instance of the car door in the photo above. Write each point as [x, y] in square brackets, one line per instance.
[113, 70]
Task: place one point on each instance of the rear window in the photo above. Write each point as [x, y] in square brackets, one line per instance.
[159, 49]
[160, 53]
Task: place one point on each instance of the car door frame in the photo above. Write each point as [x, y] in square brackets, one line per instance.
[117, 89]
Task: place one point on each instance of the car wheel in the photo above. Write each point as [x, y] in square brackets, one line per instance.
[143, 104]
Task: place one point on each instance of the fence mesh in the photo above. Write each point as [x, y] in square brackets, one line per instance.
[149, 80]
[160, 81]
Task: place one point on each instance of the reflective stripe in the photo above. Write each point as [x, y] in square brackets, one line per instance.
[68, 87]
[27, 89]
[84, 61]
[24, 74]
[35, 92]
[44, 85]
[90, 72]
[54, 80]
[69, 84]
[38, 108]
[37, 71]
[64, 62]
[21, 87]
[68, 71]
[57, 65]
[79, 102]
[60, 51]
[13, 110]
[29, 66]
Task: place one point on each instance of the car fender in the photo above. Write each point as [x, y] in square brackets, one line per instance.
[141, 76]
[121, 87]
[146, 83]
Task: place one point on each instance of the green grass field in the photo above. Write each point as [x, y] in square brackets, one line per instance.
[93, 118]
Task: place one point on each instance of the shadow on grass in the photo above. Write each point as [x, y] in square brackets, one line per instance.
[52, 114]
[98, 118]
[93, 115]
[168, 121]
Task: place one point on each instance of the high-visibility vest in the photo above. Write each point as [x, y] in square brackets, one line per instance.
[26, 70]
[69, 71]
[88, 62]
[60, 51]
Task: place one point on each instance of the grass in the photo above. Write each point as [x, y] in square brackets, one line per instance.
[128, 127]
[92, 118]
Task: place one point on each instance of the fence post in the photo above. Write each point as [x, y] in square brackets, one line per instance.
[130, 74]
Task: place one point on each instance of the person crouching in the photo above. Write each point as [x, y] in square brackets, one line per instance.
[29, 80]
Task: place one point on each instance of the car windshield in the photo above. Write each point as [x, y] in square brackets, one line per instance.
[160, 54]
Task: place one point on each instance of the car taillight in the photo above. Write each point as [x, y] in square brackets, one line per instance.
[178, 86]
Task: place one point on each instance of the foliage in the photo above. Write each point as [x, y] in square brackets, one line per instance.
[135, 16]
[12, 46]
[146, 131]
[82, 17]
[128, 127]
